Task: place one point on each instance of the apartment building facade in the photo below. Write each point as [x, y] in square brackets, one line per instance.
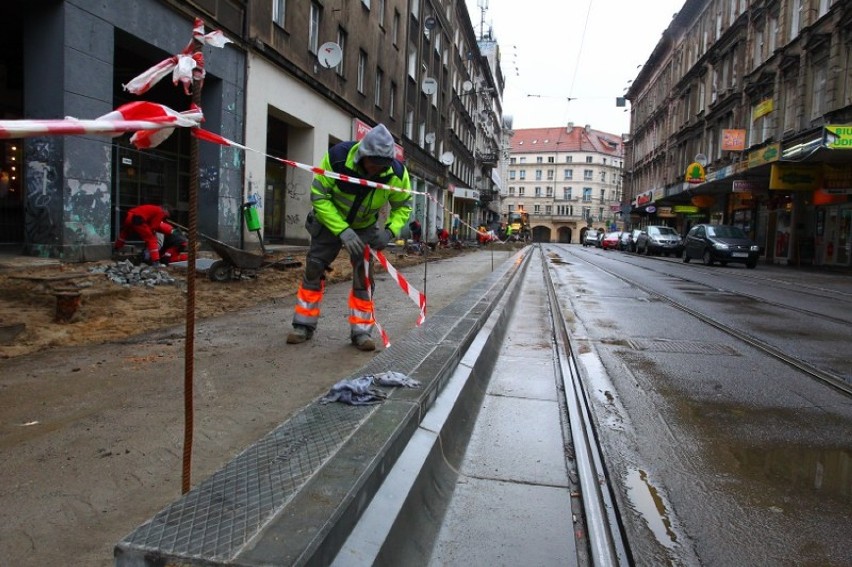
[296, 78]
[568, 179]
[742, 116]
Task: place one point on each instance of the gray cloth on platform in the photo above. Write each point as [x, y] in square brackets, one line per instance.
[361, 391]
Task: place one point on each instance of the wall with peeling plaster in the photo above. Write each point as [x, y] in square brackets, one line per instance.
[68, 61]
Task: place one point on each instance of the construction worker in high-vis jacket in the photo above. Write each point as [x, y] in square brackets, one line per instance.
[345, 215]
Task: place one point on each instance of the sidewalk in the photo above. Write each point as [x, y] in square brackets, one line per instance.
[92, 437]
[292, 497]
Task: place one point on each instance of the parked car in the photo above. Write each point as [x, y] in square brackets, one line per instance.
[720, 243]
[610, 241]
[624, 241]
[591, 238]
[659, 240]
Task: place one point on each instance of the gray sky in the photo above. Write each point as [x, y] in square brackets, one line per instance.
[587, 50]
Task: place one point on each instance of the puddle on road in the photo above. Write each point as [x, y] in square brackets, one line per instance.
[645, 499]
[825, 471]
[779, 466]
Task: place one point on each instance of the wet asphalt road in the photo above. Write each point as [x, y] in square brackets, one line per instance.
[722, 454]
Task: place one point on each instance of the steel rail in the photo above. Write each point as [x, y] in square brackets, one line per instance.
[607, 543]
[802, 366]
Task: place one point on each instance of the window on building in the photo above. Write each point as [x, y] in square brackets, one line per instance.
[550, 175]
[366, 3]
[589, 159]
[362, 71]
[392, 100]
[551, 159]
[409, 122]
[603, 196]
[412, 61]
[510, 208]
[757, 55]
[523, 174]
[587, 213]
[523, 160]
[771, 33]
[512, 174]
[395, 28]
[588, 174]
[548, 210]
[795, 18]
[566, 193]
[761, 126]
[521, 191]
[279, 12]
[314, 29]
[538, 175]
[603, 176]
[567, 174]
[587, 194]
[569, 159]
[539, 159]
[341, 41]
[536, 209]
[818, 86]
[381, 9]
[790, 99]
[511, 191]
[380, 79]
[538, 191]
[549, 192]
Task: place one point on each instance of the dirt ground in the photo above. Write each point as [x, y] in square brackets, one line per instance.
[111, 312]
[93, 413]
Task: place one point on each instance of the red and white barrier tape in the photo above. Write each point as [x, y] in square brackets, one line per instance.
[416, 296]
[217, 139]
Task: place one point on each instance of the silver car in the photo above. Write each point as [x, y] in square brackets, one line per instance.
[659, 240]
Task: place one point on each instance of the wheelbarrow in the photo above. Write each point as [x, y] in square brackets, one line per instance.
[236, 263]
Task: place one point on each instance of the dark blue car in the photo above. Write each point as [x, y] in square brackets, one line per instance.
[720, 243]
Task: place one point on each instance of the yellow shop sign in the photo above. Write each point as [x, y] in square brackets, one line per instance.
[838, 137]
[786, 177]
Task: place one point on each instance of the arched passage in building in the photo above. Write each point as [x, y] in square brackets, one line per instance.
[563, 235]
[541, 234]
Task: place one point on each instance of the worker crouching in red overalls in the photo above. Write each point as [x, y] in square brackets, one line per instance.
[144, 222]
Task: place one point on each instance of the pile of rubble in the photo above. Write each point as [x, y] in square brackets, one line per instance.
[126, 273]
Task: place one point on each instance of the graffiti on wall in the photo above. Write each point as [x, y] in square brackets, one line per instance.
[43, 198]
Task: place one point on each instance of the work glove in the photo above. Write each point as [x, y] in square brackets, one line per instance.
[352, 242]
[381, 239]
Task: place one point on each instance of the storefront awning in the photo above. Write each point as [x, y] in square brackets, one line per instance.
[466, 193]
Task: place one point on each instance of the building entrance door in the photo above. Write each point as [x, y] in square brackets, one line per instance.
[838, 236]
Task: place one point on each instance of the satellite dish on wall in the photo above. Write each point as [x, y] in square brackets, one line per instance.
[430, 138]
[447, 158]
[467, 86]
[329, 55]
[430, 23]
[430, 86]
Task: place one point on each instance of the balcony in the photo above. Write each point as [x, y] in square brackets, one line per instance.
[488, 159]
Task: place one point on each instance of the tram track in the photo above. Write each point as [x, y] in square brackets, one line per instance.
[806, 368]
[551, 502]
[607, 543]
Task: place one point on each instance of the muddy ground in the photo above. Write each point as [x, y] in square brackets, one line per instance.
[93, 415]
[111, 312]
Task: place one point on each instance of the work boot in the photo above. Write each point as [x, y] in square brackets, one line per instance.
[363, 342]
[299, 334]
